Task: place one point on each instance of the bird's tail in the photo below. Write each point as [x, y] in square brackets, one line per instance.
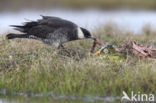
[12, 36]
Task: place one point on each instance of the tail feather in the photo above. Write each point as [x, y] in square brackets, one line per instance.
[25, 27]
[12, 36]
[26, 24]
[17, 27]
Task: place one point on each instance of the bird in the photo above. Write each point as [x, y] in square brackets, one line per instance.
[50, 30]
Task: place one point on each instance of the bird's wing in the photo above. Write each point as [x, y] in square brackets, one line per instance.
[45, 26]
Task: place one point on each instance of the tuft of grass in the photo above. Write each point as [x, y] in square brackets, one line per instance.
[31, 66]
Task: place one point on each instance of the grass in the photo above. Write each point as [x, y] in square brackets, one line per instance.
[77, 4]
[34, 67]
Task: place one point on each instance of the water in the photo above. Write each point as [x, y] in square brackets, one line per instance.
[57, 99]
[19, 97]
[89, 18]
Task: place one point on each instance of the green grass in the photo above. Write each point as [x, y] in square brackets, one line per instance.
[31, 66]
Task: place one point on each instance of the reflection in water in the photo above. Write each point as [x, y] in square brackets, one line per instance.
[131, 20]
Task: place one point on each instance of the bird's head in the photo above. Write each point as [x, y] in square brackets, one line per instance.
[84, 33]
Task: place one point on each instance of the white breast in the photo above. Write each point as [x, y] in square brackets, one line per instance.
[80, 33]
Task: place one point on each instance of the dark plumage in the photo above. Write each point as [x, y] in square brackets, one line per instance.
[50, 30]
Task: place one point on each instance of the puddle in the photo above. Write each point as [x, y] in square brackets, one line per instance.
[15, 97]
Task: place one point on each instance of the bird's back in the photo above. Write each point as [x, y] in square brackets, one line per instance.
[45, 26]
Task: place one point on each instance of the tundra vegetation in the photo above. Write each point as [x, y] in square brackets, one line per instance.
[29, 66]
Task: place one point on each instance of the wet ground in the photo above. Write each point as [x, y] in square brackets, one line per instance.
[57, 99]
